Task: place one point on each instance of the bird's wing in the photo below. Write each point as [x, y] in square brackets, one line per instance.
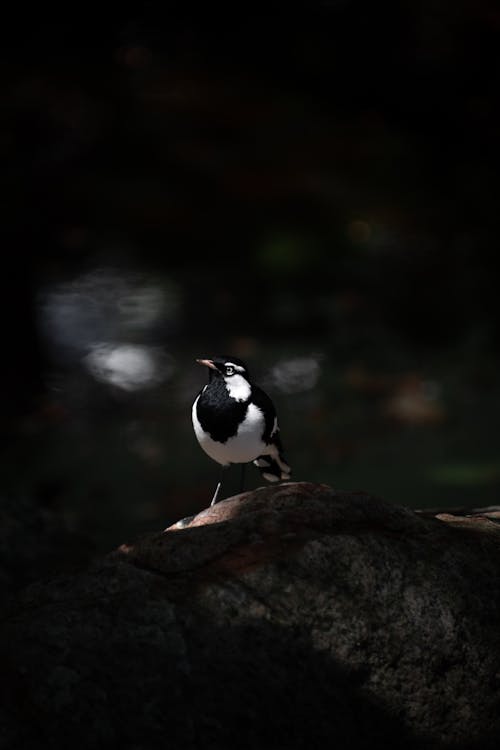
[262, 400]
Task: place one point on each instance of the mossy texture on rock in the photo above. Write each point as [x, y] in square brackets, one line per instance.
[290, 617]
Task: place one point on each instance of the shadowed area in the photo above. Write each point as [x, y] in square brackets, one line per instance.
[292, 616]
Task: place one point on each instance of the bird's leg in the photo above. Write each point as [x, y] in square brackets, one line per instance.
[242, 482]
[217, 489]
[216, 493]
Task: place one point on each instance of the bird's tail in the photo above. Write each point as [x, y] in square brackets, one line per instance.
[273, 468]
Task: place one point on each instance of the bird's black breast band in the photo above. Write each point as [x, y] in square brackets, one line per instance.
[219, 415]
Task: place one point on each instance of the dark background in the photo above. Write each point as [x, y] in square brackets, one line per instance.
[312, 188]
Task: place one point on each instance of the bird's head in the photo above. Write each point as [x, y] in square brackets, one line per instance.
[227, 367]
[233, 371]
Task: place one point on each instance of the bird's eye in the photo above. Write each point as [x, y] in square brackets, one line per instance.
[229, 370]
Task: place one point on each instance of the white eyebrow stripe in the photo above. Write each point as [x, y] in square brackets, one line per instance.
[236, 367]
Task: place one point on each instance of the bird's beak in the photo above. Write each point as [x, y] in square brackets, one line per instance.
[207, 363]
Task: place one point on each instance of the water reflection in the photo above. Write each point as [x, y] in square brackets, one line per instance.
[296, 375]
[128, 366]
[104, 305]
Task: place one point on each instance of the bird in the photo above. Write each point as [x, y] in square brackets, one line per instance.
[235, 421]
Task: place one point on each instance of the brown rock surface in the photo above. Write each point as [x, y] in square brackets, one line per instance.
[294, 616]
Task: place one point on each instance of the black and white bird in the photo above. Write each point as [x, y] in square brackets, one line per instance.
[235, 421]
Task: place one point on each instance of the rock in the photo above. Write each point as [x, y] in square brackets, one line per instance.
[294, 616]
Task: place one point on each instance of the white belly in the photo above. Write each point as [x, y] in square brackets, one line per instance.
[243, 447]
